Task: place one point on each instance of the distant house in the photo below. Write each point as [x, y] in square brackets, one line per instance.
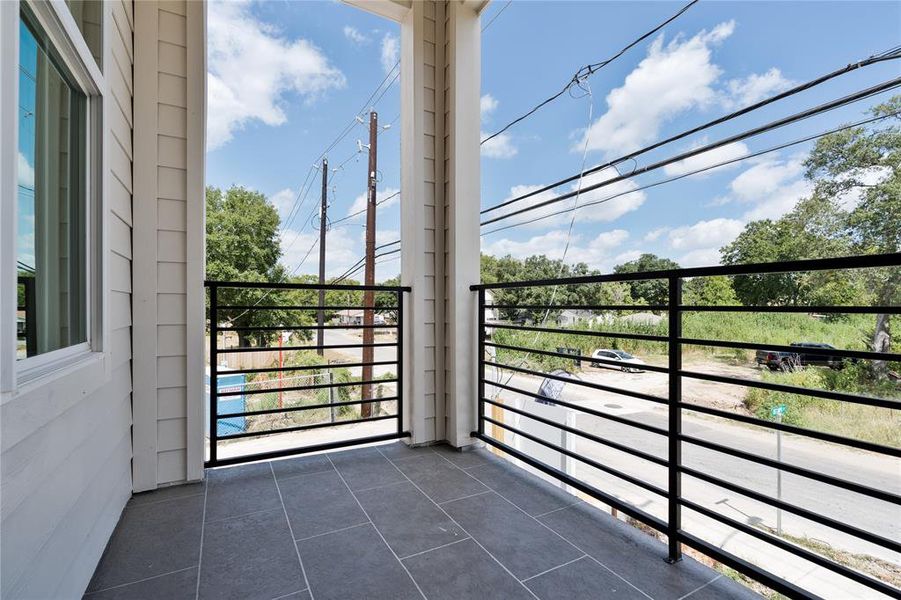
[572, 317]
[355, 317]
[642, 318]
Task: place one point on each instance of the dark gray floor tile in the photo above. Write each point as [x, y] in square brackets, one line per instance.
[304, 595]
[582, 580]
[515, 539]
[635, 556]
[438, 479]
[301, 465]
[240, 490]
[319, 503]
[725, 588]
[409, 521]
[354, 564]
[462, 571]
[168, 493]
[469, 457]
[401, 450]
[365, 468]
[525, 490]
[181, 585]
[251, 556]
[151, 540]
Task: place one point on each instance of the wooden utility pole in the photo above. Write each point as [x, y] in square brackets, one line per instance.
[320, 319]
[369, 279]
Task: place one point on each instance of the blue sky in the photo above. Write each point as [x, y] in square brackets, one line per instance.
[287, 77]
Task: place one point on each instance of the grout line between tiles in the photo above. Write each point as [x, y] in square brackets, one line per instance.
[206, 491]
[284, 477]
[384, 541]
[332, 531]
[569, 562]
[291, 531]
[378, 487]
[550, 512]
[122, 585]
[292, 593]
[697, 589]
[488, 491]
[247, 514]
[436, 548]
[454, 521]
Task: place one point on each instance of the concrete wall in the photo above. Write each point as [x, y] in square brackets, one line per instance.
[168, 200]
[66, 438]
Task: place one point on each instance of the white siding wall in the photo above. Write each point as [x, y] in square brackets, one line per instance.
[162, 241]
[66, 440]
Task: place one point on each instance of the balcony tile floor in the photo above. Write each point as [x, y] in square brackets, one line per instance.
[386, 522]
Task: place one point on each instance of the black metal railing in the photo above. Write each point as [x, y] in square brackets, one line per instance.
[252, 312]
[674, 342]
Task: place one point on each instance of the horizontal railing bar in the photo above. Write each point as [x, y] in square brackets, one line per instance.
[273, 411]
[588, 384]
[581, 458]
[588, 436]
[801, 512]
[591, 307]
[585, 409]
[300, 388]
[306, 286]
[588, 332]
[636, 513]
[861, 354]
[301, 307]
[809, 433]
[773, 582]
[288, 348]
[794, 549]
[246, 434]
[822, 264]
[303, 368]
[793, 389]
[235, 460]
[796, 309]
[790, 468]
[581, 357]
[306, 327]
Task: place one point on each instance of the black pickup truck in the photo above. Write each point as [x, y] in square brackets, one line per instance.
[790, 361]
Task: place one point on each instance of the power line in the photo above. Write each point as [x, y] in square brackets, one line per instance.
[700, 170]
[821, 108]
[589, 70]
[496, 15]
[361, 211]
[891, 54]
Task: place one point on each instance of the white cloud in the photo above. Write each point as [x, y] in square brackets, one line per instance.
[771, 188]
[360, 201]
[353, 34]
[654, 234]
[714, 233]
[384, 236]
[390, 52]
[500, 146]
[672, 79]
[702, 257]
[25, 172]
[707, 159]
[754, 88]
[600, 252]
[283, 201]
[344, 248]
[487, 105]
[618, 199]
[253, 67]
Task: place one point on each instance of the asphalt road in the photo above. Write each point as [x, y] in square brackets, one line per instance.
[853, 465]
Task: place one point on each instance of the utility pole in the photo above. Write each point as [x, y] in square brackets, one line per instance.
[369, 279]
[320, 320]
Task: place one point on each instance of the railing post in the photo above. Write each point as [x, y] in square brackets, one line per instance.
[214, 372]
[674, 521]
[400, 361]
[480, 356]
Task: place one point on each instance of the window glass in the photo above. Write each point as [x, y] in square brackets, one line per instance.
[50, 227]
[88, 16]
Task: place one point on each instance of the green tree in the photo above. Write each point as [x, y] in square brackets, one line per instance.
[709, 291]
[242, 244]
[651, 291]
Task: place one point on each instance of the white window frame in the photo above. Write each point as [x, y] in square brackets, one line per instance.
[62, 32]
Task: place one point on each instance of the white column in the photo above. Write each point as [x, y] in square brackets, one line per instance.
[463, 201]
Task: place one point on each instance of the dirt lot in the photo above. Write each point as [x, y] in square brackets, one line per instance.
[706, 393]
